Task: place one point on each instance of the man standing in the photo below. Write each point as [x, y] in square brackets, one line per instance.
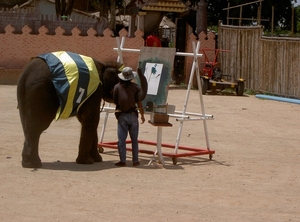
[126, 98]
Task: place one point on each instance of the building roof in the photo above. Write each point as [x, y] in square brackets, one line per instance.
[167, 6]
[166, 23]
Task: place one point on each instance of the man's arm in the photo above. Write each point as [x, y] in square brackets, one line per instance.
[140, 107]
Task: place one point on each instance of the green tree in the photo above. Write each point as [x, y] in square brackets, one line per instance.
[282, 11]
[215, 11]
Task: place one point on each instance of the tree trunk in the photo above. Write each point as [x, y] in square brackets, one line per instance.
[103, 9]
[64, 8]
[112, 23]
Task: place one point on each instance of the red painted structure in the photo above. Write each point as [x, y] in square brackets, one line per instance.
[187, 150]
[153, 41]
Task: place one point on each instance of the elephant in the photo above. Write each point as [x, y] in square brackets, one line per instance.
[39, 101]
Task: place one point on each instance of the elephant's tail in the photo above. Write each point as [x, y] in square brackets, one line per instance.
[23, 88]
[21, 98]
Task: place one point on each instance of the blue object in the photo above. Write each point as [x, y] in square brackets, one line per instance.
[277, 98]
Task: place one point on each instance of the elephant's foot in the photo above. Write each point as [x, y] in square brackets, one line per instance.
[97, 158]
[29, 162]
[84, 160]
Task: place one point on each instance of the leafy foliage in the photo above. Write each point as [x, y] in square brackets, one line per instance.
[282, 12]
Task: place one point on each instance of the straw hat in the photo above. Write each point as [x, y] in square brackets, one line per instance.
[127, 74]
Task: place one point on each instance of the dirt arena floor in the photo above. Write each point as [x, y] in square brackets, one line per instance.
[254, 174]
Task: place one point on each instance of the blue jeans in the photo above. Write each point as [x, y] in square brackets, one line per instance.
[128, 122]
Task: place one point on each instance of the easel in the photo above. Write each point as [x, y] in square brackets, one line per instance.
[180, 116]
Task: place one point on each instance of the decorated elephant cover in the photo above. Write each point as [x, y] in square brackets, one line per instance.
[75, 78]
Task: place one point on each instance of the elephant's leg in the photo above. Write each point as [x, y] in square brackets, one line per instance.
[88, 152]
[88, 145]
[34, 124]
[94, 150]
[37, 110]
[89, 115]
[30, 155]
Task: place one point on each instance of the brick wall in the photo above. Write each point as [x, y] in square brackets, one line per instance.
[9, 76]
[17, 49]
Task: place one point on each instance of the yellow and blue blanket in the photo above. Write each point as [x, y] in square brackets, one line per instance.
[75, 78]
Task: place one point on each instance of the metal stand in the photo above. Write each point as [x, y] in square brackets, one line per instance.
[180, 116]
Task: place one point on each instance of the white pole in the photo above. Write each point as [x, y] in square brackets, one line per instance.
[104, 124]
[120, 49]
[138, 50]
[187, 94]
[158, 146]
[201, 102]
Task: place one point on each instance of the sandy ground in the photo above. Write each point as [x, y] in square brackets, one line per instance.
[254, 174]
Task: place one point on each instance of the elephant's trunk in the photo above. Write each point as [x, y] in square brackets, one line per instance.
[144, 85]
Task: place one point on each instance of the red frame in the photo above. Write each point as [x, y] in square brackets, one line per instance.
[210, 65]
[189, 151]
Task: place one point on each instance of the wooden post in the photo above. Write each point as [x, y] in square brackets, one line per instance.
[132, 28]
[259, 14]
[228, 5]
[272, 25]
[293, 9]
[241, 12]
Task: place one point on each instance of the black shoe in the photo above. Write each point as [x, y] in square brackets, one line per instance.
[120, 164]
[136, 164]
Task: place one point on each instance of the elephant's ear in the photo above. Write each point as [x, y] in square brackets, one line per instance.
[144, 85]
[110, 79]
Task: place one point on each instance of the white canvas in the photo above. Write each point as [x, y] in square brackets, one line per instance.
[153, 74]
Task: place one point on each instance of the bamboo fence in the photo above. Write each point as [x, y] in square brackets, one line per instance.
[268, 64]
